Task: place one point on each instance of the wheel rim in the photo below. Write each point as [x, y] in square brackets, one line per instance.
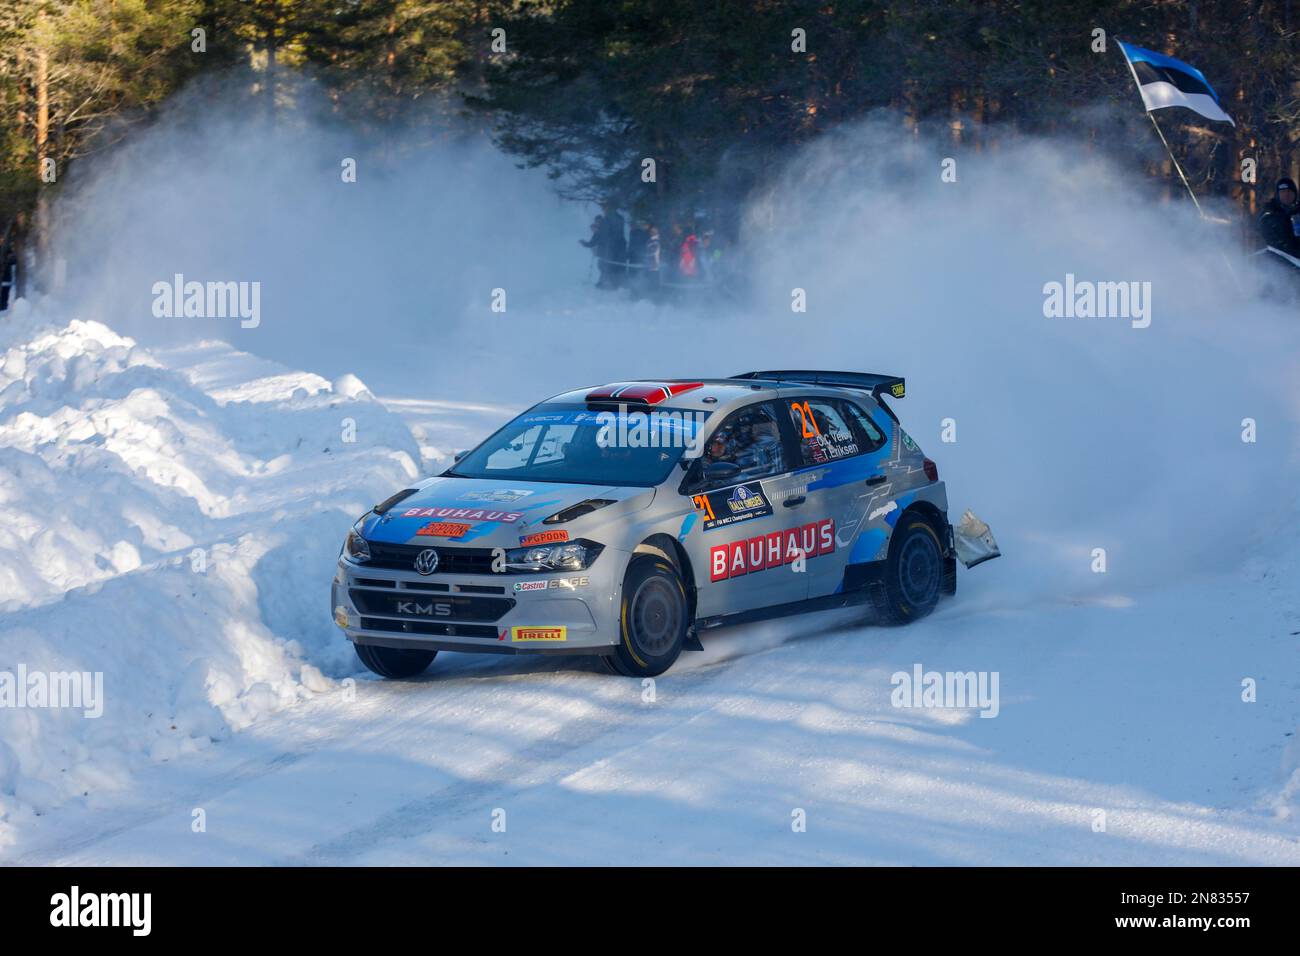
[656, 617]
[918, 570]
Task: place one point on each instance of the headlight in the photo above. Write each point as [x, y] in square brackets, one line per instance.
[355, 546]
[571, 556]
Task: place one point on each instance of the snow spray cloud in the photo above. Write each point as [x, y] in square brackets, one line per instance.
[369, 251]
[1105, 453]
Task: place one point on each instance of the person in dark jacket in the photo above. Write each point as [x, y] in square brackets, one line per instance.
[638, 237]
[595, 233]
[612, 249]
[8, 275]
[1279, 223]
[594, 245]
[651, 257]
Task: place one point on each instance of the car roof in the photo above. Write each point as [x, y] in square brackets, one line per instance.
[702, 394]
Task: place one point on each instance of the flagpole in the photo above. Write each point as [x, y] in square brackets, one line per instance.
[1160, 133]
[1181, 174]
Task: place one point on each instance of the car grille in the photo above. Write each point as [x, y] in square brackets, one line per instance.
[416, 606]
[401, 557]
[427, 627]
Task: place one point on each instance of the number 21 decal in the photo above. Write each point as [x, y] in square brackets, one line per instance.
[806, 418]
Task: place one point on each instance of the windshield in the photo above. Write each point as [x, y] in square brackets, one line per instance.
[570, 444]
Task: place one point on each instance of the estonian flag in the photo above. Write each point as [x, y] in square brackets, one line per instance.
[1164, 81]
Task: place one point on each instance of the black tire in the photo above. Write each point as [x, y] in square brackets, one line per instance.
[914, 573]
[394, 662]
[652, 619]
[949, 577]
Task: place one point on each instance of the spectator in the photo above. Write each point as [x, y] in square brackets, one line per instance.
[706, 256]
[675, 237]
[612, 249]
[8, 275]
[1279, 223]
[688, 265]
[594, 242]
[650, 258]
[637, 237]
[595, 232]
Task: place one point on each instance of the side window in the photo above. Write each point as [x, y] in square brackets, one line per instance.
[823, 430]
[751, 440]
[869, 435]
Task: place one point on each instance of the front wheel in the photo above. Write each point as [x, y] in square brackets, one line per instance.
[652, 619]
[394, 662]
[914, 573]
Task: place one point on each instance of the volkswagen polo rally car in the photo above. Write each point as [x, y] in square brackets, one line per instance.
[624, 521]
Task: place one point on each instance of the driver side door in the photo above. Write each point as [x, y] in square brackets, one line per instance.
[744, 541]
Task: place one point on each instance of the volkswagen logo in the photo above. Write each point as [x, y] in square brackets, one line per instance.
[426, 562]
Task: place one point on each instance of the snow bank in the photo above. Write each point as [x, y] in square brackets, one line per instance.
[167, 534]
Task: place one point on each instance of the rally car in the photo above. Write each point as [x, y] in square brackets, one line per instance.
[624, 521]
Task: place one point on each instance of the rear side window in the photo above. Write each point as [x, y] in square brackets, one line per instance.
[869, 435]
[831, 429]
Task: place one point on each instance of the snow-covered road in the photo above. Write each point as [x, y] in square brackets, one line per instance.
[238, 728]
[766, 722]
[1120, 735]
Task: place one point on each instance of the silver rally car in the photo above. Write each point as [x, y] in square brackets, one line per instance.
[625, 520]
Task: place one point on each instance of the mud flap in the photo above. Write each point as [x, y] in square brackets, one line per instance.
[692, 642]
[974, 541]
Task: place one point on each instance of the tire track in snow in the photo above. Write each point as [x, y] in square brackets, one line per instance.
[543, 762]
[63, 846]
[208, 790]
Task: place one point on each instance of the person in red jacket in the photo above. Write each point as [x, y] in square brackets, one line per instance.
[688, 264]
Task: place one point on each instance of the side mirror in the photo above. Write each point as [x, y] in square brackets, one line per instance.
[720, 470]
[459, 455]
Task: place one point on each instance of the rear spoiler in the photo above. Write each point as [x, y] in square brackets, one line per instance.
[877, 385]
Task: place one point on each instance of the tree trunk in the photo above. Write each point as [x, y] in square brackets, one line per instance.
[270, 56]
[41, 80]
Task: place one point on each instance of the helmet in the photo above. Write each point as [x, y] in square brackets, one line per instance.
[724, 441]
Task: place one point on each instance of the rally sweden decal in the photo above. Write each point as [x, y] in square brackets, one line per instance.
[732, 505]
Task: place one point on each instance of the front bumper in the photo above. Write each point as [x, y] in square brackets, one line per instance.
[561, 612]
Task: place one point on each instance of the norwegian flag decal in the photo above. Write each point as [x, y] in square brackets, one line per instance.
[641, 393]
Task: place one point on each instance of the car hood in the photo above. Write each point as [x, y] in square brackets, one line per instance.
[477, 512]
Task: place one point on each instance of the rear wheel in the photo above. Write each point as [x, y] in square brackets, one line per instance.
[394, 662]
[914, 573]
[652, 619]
